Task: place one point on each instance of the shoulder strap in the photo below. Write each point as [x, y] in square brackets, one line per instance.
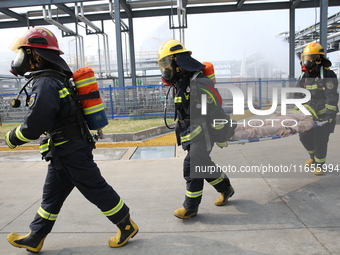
[324, 72]
[195, 75]
[85, 132]
[211, 91]
[301, 76]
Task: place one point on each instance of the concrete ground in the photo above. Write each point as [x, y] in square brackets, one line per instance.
[270, 213]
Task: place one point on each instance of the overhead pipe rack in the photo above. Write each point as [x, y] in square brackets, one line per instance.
[80, 16]
[47, 13]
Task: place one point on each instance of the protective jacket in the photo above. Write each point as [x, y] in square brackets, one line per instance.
[192, 124]
[322, 85]
[323, 105]
[50, 113]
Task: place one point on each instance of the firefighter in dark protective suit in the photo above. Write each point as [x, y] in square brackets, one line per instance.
[53, 111]
[322, 84]
[195, 131]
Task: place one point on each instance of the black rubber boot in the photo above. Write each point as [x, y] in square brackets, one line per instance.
[32, 242]
[126, 230]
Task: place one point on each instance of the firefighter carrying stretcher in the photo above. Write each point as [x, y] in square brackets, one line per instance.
[194, 130]
[322, 84]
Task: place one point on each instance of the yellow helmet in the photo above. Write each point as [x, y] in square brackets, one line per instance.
[313, 55]
[171, 47]
[312, 49]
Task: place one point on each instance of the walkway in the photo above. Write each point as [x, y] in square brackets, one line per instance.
[270, 213]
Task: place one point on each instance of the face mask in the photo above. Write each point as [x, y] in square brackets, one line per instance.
[167, 73]
[308, 62]
[169, 69]
[21, 64]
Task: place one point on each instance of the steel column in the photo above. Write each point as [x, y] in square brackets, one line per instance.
[291, 43]
[132, 53]
[119, 45]
[323, 24]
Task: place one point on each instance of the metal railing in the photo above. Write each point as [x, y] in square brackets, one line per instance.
[262, 91]
[147, 101]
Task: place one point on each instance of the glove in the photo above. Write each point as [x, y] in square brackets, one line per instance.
[8, 142]
[222, 145]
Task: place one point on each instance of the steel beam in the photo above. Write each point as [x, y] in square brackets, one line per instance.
[30, 3]
[239, 4]
[66, 9]
[132, 52]
[153, 12]
[295, 3]
[323, 24]
[119, 45]
[291, 74]
[14, 15]
[126, 8]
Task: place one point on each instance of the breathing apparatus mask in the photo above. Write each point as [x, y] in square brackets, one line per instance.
[25, 61]
[21, 64]
[308, 62]
[169, 69]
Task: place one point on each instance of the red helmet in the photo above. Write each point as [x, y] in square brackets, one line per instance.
[37, 40]
[37, 37]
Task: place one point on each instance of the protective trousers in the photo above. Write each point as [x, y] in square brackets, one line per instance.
[80, 171]
[198, 155]
[315, 142]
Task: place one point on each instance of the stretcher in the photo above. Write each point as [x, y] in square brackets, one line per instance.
[267, 138]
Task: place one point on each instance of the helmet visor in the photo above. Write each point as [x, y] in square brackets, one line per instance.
[166, 67]
[17, 43]
[19, 59]
[310, 58]
[309, 61]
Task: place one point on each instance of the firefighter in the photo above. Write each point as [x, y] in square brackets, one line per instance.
[53, 111]
[322, 84]
[194, 131]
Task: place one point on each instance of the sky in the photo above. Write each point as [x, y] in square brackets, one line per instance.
[211, 37]
[231, 36]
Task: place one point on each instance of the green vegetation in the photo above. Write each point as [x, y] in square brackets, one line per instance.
[5, 127]
[126, 126]
[115, 126]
